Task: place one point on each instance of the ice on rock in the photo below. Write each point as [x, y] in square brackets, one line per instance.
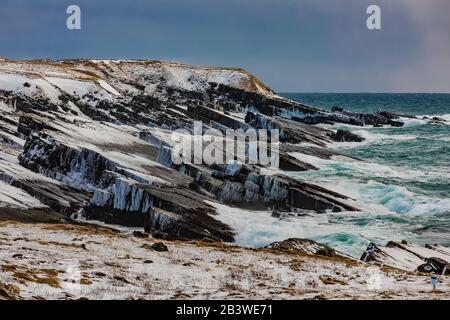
[231, 192]
[121, 189]
[101, 198]
[289, 114]
[233, 168]
[147, 204]
[253, 177]
[251, 190]
[165, 157]
[136, 198]
[273, 189]
[161, 220]
[152, 139]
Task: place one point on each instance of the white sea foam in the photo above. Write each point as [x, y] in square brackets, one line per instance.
[345, 165]
[415, 122]
[259, 228]
[371, 137]
[445, 117]
[378, 198]
[348, 232]
[356, 180]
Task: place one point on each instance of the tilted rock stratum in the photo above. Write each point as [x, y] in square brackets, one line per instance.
[92, 138]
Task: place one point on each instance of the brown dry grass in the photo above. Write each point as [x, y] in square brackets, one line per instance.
[51, 281]
[81, 229]
[63, 244]
[8, 223]
[23, 275]
[225, 247]
[331, 280]
[75, 228]
[9, 291]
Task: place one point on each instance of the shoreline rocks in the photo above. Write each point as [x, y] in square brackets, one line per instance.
[305, 246]
[408, 256]
[345, 136]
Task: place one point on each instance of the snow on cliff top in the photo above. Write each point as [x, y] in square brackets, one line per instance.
[113, 76]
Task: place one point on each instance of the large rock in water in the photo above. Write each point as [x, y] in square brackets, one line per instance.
[408, 256]
[345, 136]
[93, 138]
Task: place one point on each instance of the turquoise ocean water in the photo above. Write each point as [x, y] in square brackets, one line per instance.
[404, 183]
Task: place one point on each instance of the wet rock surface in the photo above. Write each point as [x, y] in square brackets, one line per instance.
[345, 136]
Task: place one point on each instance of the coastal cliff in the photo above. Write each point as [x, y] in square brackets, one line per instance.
[89, 141]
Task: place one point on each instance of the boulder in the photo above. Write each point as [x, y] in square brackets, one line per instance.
[139, 234]
[233, 169]
[160, 247]
[337, 109]
[408, 256]
[435, 265]
[345, 136]
[303, 246]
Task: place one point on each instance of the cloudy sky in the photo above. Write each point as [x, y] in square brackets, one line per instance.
[292, 45]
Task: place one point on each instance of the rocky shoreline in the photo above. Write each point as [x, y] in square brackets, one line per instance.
[91, 138]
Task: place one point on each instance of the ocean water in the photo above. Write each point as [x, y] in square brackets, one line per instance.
[403, 185]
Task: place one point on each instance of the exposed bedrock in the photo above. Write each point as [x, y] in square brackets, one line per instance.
[290, 131]
[245, 186]
[120, 196]
[435, 265]
[305, 246]
[408, 256]
[213, 116]
[228, 98]
[32, 215]
[376, 119]
[79, 168]
[178, 212]
[288, 109]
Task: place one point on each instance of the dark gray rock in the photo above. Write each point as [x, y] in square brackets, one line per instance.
[435, 265]
[304, 246]
[345, 136]
[160, 247]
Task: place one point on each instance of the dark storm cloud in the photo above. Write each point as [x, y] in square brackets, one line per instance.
[293, 45]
